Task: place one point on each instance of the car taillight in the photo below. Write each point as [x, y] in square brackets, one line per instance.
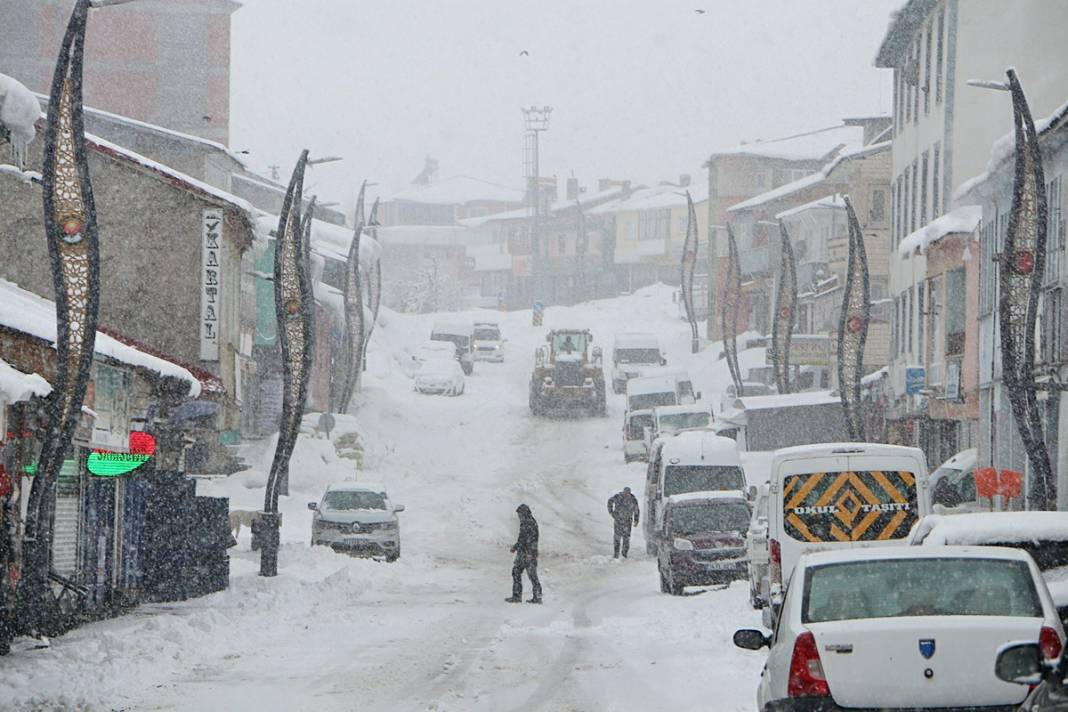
[806, 670]
[1050, 643]
[776, 551]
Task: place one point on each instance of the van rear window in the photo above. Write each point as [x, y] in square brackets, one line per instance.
[680, 479]
[865, 505]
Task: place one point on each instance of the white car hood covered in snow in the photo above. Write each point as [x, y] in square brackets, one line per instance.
[976, 528]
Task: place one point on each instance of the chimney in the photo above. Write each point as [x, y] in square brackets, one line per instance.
[684, 180]
[572, 189]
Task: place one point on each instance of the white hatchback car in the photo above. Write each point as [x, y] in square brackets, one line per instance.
[903, 628]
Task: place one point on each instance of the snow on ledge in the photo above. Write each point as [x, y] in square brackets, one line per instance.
[18, 386]
[964, 219]
[977, 528]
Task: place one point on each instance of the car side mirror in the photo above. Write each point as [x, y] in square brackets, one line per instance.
[663, 361]
[698, 395]
[313, 506]
[398, 508]
[751, 493]
[1021, 663]
[751, 639]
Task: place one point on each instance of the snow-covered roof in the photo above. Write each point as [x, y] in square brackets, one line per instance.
[818, 145]
[327, 239]
[707, 496]
[634, 340]
[787, 400]
[650, 384]
[700, 446]
[812, 179]
[585, 200]
[18, 386]
[458, 190]
[18, 113]
[875, 376]
[357, 487]
[682, 409]
[978, 528]
[1002, 150]
[964, 219]
[24, 311]
[831, 202]
[654, 198]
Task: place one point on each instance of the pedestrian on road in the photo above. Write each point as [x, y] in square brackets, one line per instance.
[526, 557]
[623, 506]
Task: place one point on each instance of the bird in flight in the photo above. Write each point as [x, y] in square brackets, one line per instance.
[524, 53]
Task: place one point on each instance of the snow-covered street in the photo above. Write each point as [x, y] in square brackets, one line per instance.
[432, 631]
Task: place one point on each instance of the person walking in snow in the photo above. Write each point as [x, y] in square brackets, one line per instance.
[623, 507]
[526, 557]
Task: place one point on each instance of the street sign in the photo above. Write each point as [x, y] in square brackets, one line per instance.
[537, 313]
[915, 380]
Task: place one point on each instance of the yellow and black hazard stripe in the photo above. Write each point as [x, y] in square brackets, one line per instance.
[870, 505]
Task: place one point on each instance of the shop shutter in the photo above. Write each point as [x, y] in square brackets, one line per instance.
[68, 516]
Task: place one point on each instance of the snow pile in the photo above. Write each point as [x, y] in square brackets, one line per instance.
[18, 386]
[977, 528]
[964, 219]
[26, 312]
[18, 113]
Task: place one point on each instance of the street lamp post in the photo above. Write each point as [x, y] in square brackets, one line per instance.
[535, 120]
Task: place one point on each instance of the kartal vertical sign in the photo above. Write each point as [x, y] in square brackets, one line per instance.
[210, 284]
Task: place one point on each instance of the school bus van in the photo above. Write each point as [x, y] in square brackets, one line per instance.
[842, 496]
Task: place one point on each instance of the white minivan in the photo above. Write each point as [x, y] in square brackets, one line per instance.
[842, 496]
[690, 461]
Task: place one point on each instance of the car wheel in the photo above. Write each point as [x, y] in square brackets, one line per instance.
[675, 588]
[663, 581]
[393, 557]
[754, 597]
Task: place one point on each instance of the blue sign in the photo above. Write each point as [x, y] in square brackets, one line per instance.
[538, 306]
[927, 648]
[915, 380]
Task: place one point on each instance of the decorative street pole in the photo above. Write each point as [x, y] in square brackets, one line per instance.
[1021, 268]
[294, 308]
[374, 294]
[853, 328]
[785, 315]
[535, 121]
[689, 264]
[71, 233]
[354, 326]
[732, 298]
[582, 244]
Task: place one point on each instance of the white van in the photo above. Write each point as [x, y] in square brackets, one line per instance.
[690, 461]
[630, 354]
[842, 496]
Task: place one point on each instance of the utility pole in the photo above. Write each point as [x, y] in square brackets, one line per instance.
[535, 120]
[713, 257]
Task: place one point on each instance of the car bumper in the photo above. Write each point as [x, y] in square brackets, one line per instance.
[824, 704]
[700, 573]
[376, 544]
[495, 356]
[435, 389]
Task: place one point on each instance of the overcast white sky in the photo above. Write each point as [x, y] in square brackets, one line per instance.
[641, 89]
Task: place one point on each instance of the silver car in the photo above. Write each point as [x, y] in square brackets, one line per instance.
[357, 518]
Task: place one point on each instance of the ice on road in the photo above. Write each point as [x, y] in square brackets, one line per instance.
[432, 631]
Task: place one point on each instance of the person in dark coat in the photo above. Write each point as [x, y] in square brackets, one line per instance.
[623, 506]
[526, 557]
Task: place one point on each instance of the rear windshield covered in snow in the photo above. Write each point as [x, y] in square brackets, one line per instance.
[719, 517]
[487, 333]
[644, 356]
[866, 505]
[680, 479]
[678, 421]
[890, 588]
[354, 500]
[651, 400]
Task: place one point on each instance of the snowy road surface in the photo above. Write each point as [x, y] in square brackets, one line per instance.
[432, 631]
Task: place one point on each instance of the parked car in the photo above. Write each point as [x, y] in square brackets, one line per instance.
[953, 484]
[1043, 535]
[357, 518]
[756, 544]
[439, 376]
[694, 461]
[630, 353]
[460, 334]
[636, 424]
[902, 628]
[701, 540]
[749, 388]
[842, 496]
[489, 344]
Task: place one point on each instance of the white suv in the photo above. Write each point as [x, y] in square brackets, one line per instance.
[357, 518]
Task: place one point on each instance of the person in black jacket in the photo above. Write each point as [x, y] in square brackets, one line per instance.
[623, 506]
[526, 557]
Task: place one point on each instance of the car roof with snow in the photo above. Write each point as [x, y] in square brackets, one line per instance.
[636, 341]
[788, 400]
[962, 460]
[681, 409]
[831, 449]
[836, 556]
[650, 384]
[647, 412]
[673, 372]
[977, 528]
[704, 497]
[487, 323]
[695, 446]
[357, 487]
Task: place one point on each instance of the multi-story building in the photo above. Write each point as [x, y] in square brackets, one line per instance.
[166, 62]
[942, 128]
